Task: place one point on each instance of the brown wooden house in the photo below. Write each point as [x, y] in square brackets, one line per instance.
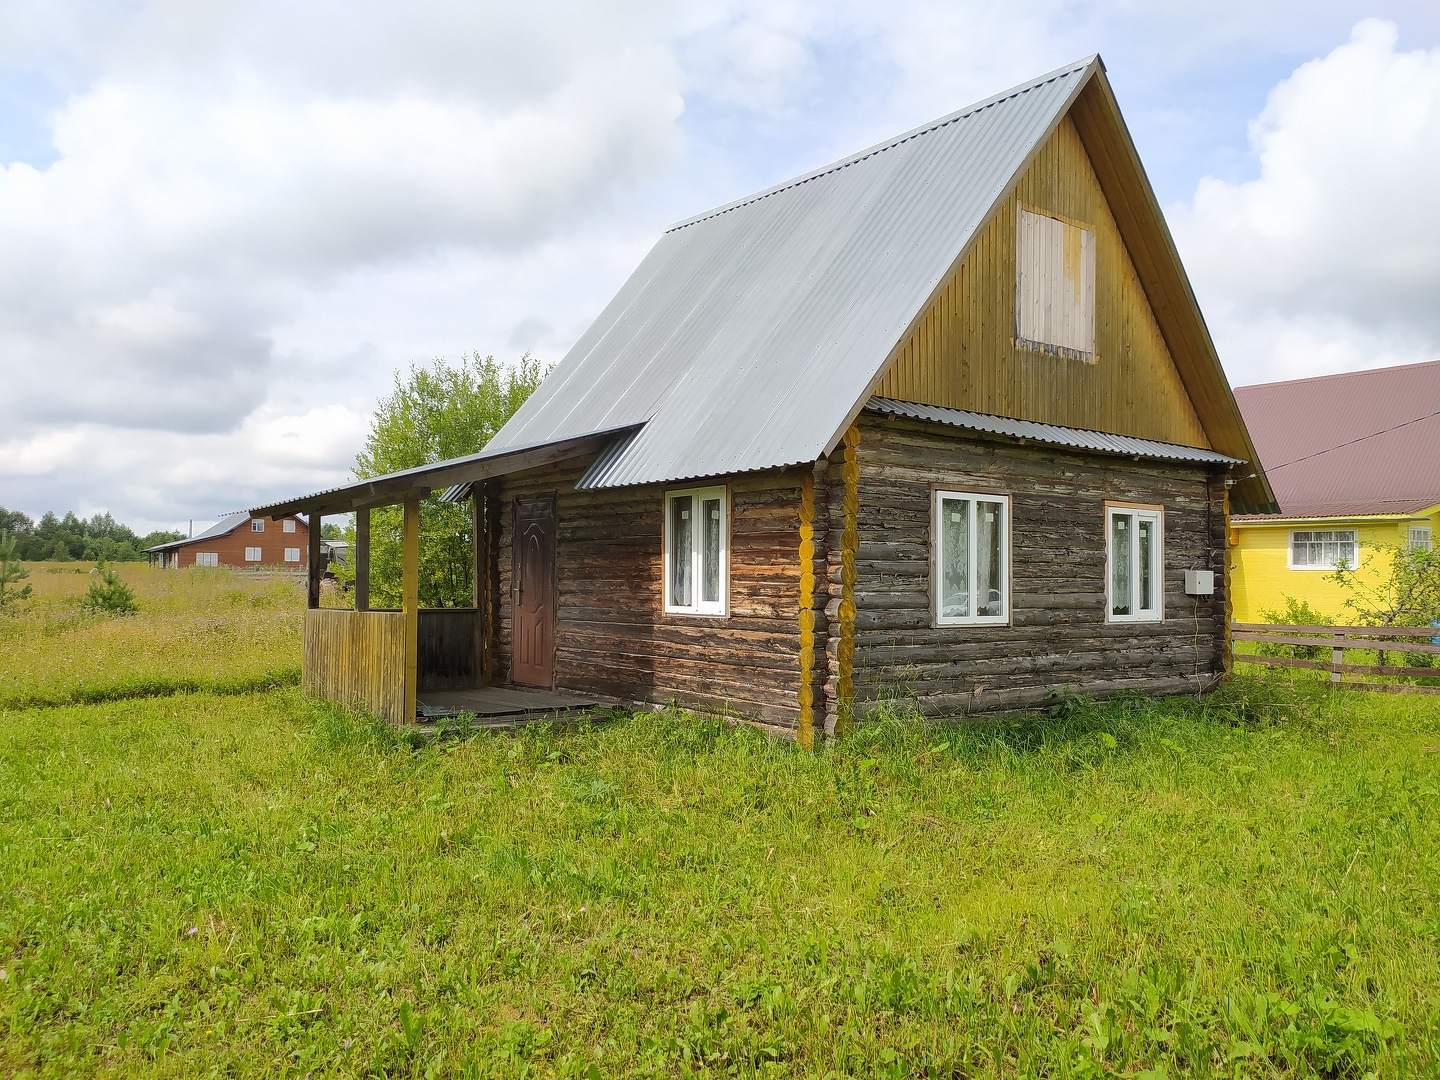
[239, 540]
[941, 420]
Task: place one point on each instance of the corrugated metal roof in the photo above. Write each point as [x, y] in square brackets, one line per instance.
[747, 337]
[1365, 442]
[1053, 434]
[224, 527]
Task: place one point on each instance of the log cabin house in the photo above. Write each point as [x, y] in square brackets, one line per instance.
[940, 420]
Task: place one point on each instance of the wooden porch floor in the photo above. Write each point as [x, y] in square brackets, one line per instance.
[499, 706]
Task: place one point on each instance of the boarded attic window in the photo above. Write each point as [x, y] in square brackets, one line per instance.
[1054, 287]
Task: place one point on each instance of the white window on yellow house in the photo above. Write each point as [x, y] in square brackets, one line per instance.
[1054, 286]
[1419, 537]
[1324, 549]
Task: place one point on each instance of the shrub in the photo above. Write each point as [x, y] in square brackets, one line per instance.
[109, 595]
[1296, 613]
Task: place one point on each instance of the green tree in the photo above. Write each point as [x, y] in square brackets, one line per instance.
[1404, 593]
[11, 572]
[436, 412]
[109, 595]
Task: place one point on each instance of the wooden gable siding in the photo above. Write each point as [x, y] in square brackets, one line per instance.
[612, 635]
[1059, 637]
[964, 354]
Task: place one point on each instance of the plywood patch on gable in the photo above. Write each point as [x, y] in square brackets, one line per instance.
[964, 354]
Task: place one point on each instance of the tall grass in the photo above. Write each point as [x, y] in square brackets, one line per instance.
[197, 629]
[260, 886]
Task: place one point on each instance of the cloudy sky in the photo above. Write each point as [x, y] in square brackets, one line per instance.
[224, 225]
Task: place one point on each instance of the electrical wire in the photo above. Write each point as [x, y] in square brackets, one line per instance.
[1352, 442]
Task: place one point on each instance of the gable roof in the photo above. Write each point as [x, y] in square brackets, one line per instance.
[224, 527]
[751, 335]
[1365, 442]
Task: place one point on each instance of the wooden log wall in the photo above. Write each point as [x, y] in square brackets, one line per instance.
[447, 655]
[1059, 638]
[357, 659]
[612, 635]
[843, 542]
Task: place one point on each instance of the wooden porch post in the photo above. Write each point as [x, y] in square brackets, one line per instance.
[312, 567]
[410, 603]
[362, 559]
[480, 551]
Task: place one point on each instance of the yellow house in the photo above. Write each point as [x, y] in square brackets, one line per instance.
[1354, 461]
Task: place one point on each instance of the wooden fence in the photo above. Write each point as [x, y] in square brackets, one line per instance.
[1381, 639]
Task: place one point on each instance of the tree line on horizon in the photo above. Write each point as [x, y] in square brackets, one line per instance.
[73, 538]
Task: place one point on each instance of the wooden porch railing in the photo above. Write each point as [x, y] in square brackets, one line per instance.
[1401, 639]
[357, 658]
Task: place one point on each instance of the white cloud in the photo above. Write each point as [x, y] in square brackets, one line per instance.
[208, 183]
[1330, 259]
[254, 211]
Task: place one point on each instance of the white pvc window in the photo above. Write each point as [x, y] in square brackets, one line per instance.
[292, 554]
[257, 524]
[697, 551]
[1054, 286]
[252, 554]
[207, 558]
[1324, 549]
[1419, 537]
[1135, 578]
[971, 537]
[289, 525]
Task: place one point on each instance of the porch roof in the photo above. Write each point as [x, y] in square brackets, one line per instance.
[421, 481]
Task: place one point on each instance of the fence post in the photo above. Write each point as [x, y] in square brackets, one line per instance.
[1337, 657]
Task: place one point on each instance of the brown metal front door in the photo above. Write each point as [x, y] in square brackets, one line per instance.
[533, 559]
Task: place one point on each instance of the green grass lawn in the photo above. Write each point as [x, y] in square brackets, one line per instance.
[257, 885]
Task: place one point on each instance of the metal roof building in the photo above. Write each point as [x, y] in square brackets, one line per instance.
[1361, 443]
[752, 335]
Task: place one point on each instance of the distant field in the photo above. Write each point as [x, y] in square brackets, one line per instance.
[255, 885]
[196, 627]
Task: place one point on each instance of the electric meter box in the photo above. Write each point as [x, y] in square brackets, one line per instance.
[1199, 582]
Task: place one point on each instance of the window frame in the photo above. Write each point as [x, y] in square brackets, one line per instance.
[288, 525]
[1426, 544]
[257, 524]
[258, 556]
[1022, 277]
[1157, 557]
[937, 556]
[296, 559]
[1290, 549]
[211, 558]
[700, 608]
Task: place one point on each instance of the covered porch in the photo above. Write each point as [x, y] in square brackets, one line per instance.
[416, 664]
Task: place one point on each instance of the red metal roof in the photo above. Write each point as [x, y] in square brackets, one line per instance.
[1365, 442]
